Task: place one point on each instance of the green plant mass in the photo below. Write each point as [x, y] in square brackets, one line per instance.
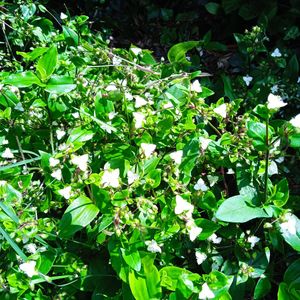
[162, 165]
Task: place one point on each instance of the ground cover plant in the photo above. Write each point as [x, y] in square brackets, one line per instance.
[123, 177]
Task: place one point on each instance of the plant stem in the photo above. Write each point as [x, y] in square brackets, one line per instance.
[266, 160]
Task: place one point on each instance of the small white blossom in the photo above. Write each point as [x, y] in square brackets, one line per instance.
[80, 161]
[60, 134]
[53, 162]
[290, 224]
[253, 240]
[280, 159]
[111, 115]
[63, 16]
[153, 246]
[111, 178]
[128, 96]
[62, 147]
[57, 174]
[116, 61]
[298, 81]
[132, 177]
[230, 171]
[65, 192]
[177, 156]
[274, 89]
[247, 79]
[140, 101]
[111, 87]
[206, 292]
[272, 168]
[276, 53]
[139, 119]
[183, 206]
[194, 231]
[106, 127]
[275, 102]
[169, 104]
[5, 142]
[200, 185]
[296, 121]
[29, 268]
[200, 257]
[3, 182]
[31, 248]
[76, 115]
[215, 239]
[196, 86]
[7, 153]
[148, 149]
[204, 143]
[136, 50]
[221, 110]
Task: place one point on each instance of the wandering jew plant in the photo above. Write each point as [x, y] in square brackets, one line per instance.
[122, 179]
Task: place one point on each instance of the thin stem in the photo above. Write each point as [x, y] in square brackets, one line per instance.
[21, 152]
[267, 160]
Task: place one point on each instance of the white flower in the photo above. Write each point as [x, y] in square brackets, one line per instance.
[169, 104]
[3, 182]
[53, 162]
[57, 174]
[31, 248]
[275, 102]
[204, 143]
[106, 127]
[136, 50]
[80, 161]
[183, 206]
[132, 177]
[247, 79]
[276, 53]
[177, 156]
[153, 246]
[280, 159]
[76, 115]
[128, 96]
[111, 178]
[60, 134]
[140, 101]
[112, 114]
[29, 268]
[296, 121]
[19, 107]
[253, 240]
[7, 153]
[139, 119]
[230, 171]
[298, 81]
[65, 192]
[111, 87]
[116, 61]
[192, 228]
[290, 225]
[63, 16]
[200, 257]
[200, 185]
[274, 89]
[215, 239]
[196, 87]
[5, 142]
[148, 149]
[272, 168]
[206, 292]
[221, 110]
[62, 147]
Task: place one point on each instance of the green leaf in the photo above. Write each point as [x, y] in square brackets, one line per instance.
[79, 214]
[13, 244]
[79, 135]
[177, 53]
[293, 272]
[132, 258]
[282, 193]
[60, 84]
[212, 7]
[257, 131]
[283, 292]
[230, 5]
[24, 79]
[295, 140]
[71, 36]
[46, 261]
[236, 209]
[292, 69]
[47, 63]
[262, 288]
[228, 91]
[208, 228]
[34, 54]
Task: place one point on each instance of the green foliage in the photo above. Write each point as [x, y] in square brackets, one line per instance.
[126, 178]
